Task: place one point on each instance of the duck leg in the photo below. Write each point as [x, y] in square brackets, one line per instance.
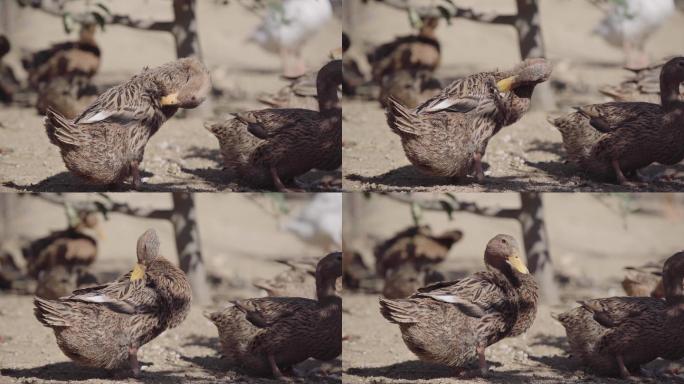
[624, 372]
[482, 362]
[276, 179]
[133, 359]
[135, 174]
[479, 173]
[618, 172]
[274, 368]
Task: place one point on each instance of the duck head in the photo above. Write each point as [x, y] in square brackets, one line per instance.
[191, 92]
[525, 76]
[148, 250]
[671, 76]
[502, 253]
[328, 79]
[328, 270]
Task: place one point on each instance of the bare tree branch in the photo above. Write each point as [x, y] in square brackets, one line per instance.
[457, 206]
[57, 9]
[107, 205]
[454, 12]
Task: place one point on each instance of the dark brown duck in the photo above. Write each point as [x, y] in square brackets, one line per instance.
[270, 147]
[271, 334]
[448, 134]
[615, 139]
[104, 326]
[106, 143]
[616, 335]
[452, 323]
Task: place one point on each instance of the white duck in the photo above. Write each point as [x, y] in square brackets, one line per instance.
[629, 23]
[287, 26]
[319, 223]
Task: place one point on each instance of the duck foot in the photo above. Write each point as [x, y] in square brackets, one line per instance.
[133, 359]
[479, 172]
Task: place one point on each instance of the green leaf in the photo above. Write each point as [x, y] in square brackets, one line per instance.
[445, 13]
[68, 22]
[416, 213]
[414, 18]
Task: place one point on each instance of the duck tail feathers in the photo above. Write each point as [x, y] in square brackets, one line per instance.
[397, 311]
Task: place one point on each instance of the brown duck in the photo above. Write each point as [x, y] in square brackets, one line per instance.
[645, 280]
[452, 323]
[408, 89]
[421, 52]
[271, 147]
[271, 334]
[106, 143]
[300, 93]
[104, 326]
[448, 134]
[73, 247]
[61, 281]
[616, 335]
[68, 97]
[68, 59]
[615, 139]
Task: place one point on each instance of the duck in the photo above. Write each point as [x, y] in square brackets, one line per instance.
[9, 84]
[269, 335]
[611, 140]
[452, 323]
[416, 245]
[616, 335]
[61, 281]
[68, 59]
[409, 89]
[105, 144]
[628, 24]
[642, 85]
[105, 326]
[298, 281]
[287, 26]
[405, 280]
[270, 147]
[645, 280]
[74, 247]
[447, 135]
[66, 97]
[319, 222]
[299, 93]
[412, 53]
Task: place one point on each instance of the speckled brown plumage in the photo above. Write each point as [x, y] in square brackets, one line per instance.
[106, 143]
[61, 281]
[613, 139]
[270, 147]
[405, 280]
[267, 335]
[68, 97]
[409, 89]
[614, 336]
[448, 134]
[452, 323]
[105, 325]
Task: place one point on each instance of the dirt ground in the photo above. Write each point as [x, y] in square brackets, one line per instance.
[591, 237]
[529, 154]
[182, 155]
[240, 236]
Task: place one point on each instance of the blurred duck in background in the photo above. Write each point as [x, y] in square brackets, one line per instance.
[319, 223]
[629, 23]
[286, 27]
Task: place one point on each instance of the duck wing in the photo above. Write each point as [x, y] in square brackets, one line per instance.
[267, 123]
[125, 295]
[122, 104]
[609, 117]
[615, 311]
[463, 95]
[267, 311]
[475, 295]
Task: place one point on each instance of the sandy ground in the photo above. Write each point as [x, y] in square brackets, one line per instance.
[527, 155]
[182, 155]
[239, 236]
[592, 237]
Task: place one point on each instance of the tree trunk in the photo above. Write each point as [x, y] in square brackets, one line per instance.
[184, 220]
[531, 44]
[536, 245]
[185, 29]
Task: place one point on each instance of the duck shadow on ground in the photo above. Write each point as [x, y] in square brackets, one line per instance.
[69, 371]
[418, 370]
